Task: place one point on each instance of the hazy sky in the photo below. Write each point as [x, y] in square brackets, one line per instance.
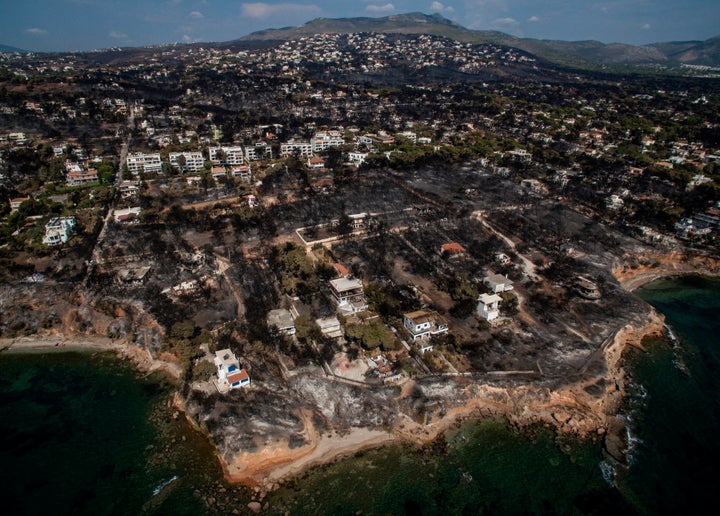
[60, 25]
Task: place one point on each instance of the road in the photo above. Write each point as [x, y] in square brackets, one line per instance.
[95, 255]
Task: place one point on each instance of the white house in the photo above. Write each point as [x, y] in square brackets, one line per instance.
[326, 139]
[349, 294]
[230, 374]
[139, 162]
[424, 323]
[489, 306]
[497, 283]
[58, 229]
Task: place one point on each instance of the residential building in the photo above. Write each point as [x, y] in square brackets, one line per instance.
[291, 147]
[489, 306]
[452, 249]
[357, 158]
[243, 172]
[283, 320]
[126, 214]
[233, 155]
[218, 172]
[497, 283]
[349, 294]
[194, 161]
[230, 374]
[80, 177]
[144, 163]
[330, 326]
[129, 188]
[15, 203]
[258, 152]
[58, 230]
[424, 324]
[324, 140]
[314, 162]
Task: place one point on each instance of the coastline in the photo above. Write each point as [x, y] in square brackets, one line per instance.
[567, 409]
[142, 359]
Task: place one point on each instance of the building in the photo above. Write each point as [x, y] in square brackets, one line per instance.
[126, 214]
[283, 320]
[144, 163]
[330, 327]
[80, 177]
[17, 202]
[357, 158]
[129, 188]
[230, 374]
[232, 155]
[58, 230]
[497, 283]
[258, 152]
[324, 140]
[315, 163]
[452, 249]
[424, 324]
[218, 173]
[292, 147]
[349, 295]
[243, 172]
[193, 161]
[489, 306]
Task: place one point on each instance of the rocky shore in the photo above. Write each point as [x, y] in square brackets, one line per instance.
[282, 426]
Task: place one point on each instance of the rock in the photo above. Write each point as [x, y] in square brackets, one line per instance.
[615, 439]
[254, 506]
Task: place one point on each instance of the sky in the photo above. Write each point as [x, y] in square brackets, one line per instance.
[80, 25]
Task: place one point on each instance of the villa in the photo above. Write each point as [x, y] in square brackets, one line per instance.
[230, 374]
[489, 306]
[423, 324]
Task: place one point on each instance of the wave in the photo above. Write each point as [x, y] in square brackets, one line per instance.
[608, 472]
[158, 489]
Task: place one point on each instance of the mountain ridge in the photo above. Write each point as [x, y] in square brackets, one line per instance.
[584, 53]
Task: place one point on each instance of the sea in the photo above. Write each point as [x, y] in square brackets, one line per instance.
[85, 433]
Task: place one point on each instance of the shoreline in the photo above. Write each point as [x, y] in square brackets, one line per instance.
[275, 463]
[141, 358]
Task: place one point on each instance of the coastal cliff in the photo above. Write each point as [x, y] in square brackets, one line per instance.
[293, 419]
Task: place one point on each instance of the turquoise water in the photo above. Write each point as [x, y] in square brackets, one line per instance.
[83, 433]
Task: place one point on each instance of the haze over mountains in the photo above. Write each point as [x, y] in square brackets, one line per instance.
[582, 54]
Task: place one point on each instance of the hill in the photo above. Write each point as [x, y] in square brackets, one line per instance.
[7, 48]
[585, 54]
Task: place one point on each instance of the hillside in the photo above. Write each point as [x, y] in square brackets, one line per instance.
[7, 48]
[587, 54]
